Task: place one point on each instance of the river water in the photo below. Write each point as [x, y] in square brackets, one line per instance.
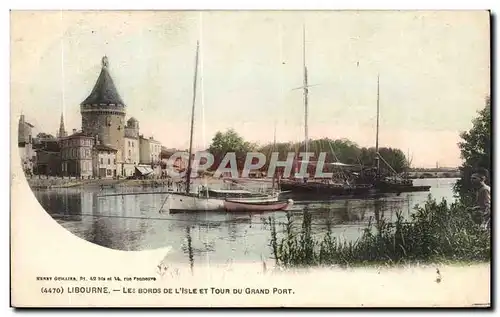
[133, 222]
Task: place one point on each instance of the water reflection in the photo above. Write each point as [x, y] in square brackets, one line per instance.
[133, 222]
[189, 248]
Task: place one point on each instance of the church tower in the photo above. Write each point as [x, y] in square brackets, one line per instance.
[62, 131]
[103, 113]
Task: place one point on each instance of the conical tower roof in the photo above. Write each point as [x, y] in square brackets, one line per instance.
[104, 91]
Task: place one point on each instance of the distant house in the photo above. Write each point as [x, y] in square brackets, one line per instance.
[25, 145]
[76, 155]
[48, 158]
[104, 161]
[150, 150]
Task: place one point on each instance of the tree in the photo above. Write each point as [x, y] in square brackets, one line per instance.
[344, 151]
[43, 135]
[395, 158]
[475, 150]
[230, 141]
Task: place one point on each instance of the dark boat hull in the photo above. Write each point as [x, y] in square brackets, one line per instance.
[407, 187]
[359, 191]
[326, 190]
[403, 189]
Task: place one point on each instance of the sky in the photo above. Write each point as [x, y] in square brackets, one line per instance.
[434, 69]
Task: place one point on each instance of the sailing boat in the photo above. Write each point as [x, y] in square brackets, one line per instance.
[394, 183]
[205, 199]
[192, 201]
[303, 186]
[272, 204]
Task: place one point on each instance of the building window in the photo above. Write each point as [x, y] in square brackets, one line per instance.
[114, 161]
[132, 144]
[129, 143]
[109, 161]
[102, 161]
[108, 172]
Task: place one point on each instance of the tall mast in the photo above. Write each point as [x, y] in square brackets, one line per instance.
[188, 176]
[274, 140]
[306, 132]
[377, 159]
[274, 149]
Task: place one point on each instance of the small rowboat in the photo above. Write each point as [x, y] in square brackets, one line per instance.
[233, 206]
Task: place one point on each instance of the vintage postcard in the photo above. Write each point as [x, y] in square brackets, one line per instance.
[250, 158]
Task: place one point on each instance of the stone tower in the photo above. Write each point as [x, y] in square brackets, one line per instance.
[103, 113]
[132, 128]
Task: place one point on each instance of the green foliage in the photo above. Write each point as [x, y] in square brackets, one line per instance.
[436, 232]
[342, 150]
[475, 149]
[230, 141]
[394, 157]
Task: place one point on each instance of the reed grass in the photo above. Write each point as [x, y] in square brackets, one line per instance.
[434, 233]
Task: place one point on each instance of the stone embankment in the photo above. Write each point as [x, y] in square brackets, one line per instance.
[44, 182]
[49, 183]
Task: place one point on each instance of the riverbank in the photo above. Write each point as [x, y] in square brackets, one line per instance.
[435, 233]
[433, 174]
[54, 183]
